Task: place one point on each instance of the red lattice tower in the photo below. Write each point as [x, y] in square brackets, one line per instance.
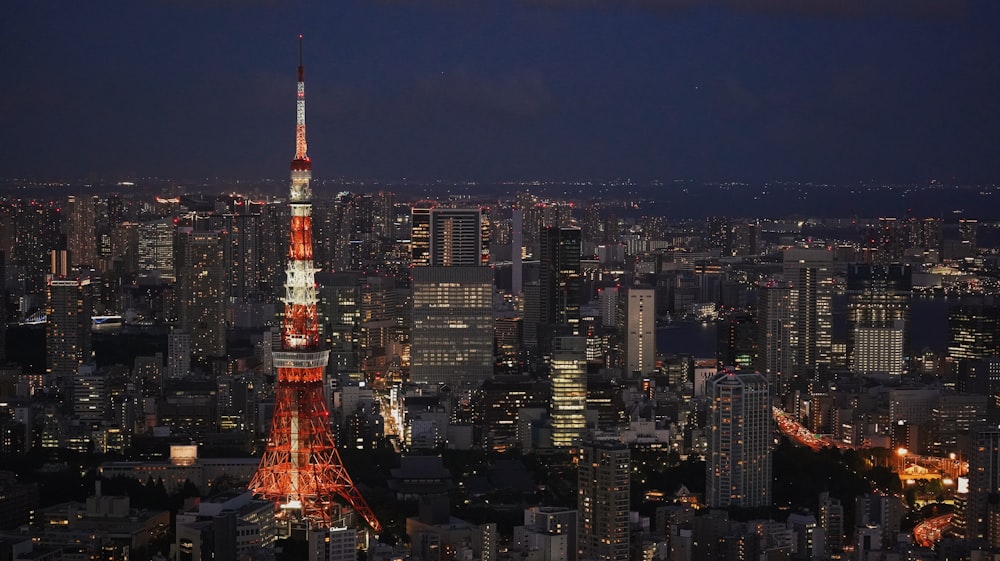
[301, 470]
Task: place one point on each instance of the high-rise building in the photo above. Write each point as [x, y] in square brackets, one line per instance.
[883, 511]
[568, 374]
[640, 332]
[737, 340]
[891, 238]
[499, 402]
[968, 232]
[925, 234]
[447, 237]
[242, 256]
[879, 349]
[178, 353]
[90, 395]
[878, 316]
[452, 338]
[608, 299]
[420, 233]
[155, 249]
[739, 447]
[201, 277]
[603, 501]
[68, 308]
[984, 482]
[459, 236]
[81, 237]
[811, 274]
[3, 308]
[36, 231]
[952, 417]
[743, 238]
[974, 330]
[775, 357]
[559, 275]
[831, 520]
[274, 245]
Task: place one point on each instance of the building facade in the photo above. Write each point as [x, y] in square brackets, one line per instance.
[603, 501]
[738, 473]
[452, 338]
[569, 390]
[640, 332]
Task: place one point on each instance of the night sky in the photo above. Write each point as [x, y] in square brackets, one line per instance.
[828, 90]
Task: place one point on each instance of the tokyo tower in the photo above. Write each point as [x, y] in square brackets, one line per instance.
[301, 470]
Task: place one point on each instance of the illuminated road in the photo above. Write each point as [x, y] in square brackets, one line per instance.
[800, 434]
[929, 531]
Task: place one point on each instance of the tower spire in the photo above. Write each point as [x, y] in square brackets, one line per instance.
[301, 166]
[301, 470]
[302, 70]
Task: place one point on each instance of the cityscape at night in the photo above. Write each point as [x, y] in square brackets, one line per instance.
[542, 280]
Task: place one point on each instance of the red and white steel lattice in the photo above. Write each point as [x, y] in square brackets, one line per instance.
[301, 470]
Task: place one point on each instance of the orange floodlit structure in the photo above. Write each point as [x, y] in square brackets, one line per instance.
[301, 470]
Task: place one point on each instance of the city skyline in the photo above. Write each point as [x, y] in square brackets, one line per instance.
[714, 90]
[238, 375]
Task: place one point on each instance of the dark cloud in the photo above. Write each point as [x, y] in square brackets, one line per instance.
[933, 9]
[520, 94]
[853, 8]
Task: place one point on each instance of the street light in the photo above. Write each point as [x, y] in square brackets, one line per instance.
[901, 452]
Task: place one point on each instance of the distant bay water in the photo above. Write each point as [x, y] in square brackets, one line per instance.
[929, 317]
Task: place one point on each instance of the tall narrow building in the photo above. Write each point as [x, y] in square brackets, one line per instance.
[559, 281]
[69, 305]
[201, 276]
[3, 311]
[301, 471]
[984, 484]
[738, 473]
[603, 501]
[81, 235]
[568, 375]
[811, 273]
[640, 332]
[559, 274]
[775, 353]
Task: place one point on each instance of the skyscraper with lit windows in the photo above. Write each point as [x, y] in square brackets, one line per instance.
[640, 332]
[878, 317]
[69, 306]
[81, 237]
[559, 275]
[775, 354]
[603, 501]
[974, 330]
[448, 237]
[984, 483]
[202, 279]
[738, 473]
[568, 375]
[452, 338]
